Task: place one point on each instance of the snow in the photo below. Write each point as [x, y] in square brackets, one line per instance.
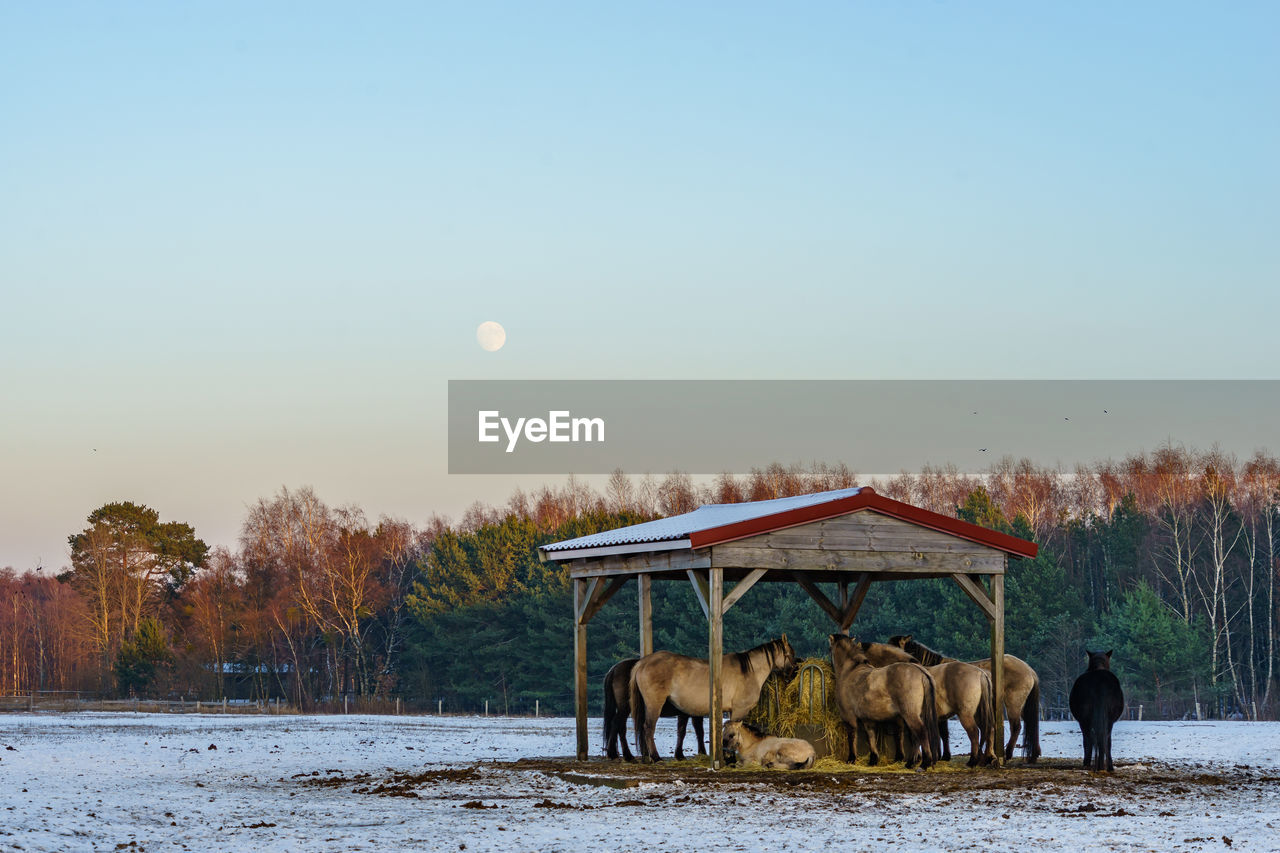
[102, 781]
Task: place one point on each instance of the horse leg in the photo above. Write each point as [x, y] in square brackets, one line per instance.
[1107, 733]
[923, 743]
[984, 740]
[697, 730]
[944, 734]
[616, 735]
[650, 745]
[928, 754]
[1088, 744]
[682, 726]
[650, 749]
[970, 726]
[650, 730]
[1015, 726]
[851, 735]
[909, 747]
[873, 757]
[622, 740]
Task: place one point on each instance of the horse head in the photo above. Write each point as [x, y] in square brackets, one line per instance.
[731, 736]
[846, 649]
[741, 732]
[740, 736]
[786, 666]
[1099, 660]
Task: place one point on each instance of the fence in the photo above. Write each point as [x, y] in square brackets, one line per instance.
[1138, 711]
[51, 700]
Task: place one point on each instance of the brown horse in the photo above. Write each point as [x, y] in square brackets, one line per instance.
[1021, 693]
[685, 682]
[899, 691]
[617, 707]
[754, 748]
[960, 689]
[883, 654]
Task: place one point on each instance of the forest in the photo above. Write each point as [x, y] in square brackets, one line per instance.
[1168, 557]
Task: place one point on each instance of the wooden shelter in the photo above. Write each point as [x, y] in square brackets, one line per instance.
[849, 537]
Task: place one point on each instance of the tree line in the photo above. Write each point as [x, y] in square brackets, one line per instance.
[1168, 557]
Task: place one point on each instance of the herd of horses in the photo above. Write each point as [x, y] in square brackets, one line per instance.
[900, 682]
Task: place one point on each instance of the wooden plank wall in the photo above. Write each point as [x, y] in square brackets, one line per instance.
[860, 541]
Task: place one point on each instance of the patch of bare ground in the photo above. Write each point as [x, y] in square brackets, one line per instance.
[1049, 780]
[394, 784]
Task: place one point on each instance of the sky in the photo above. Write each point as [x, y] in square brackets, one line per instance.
[245, 246]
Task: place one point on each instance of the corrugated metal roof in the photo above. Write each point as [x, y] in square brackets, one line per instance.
[703, 518]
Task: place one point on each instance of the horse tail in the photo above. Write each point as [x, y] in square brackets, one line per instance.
[610, 709]
[1031, 718]
[637, 713]
[1101, 733]
[930, 714]
[986, 715]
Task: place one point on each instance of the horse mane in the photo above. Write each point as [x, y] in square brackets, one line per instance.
[753, 728]
[923, 653]
[771, 648]
[769, 644]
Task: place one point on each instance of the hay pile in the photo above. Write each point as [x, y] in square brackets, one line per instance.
[803, 708]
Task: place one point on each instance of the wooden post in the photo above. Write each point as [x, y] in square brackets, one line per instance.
[646, 615]
[715, 656]
[580, 665]
[997, 664]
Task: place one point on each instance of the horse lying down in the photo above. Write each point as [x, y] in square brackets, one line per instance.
[756, 749]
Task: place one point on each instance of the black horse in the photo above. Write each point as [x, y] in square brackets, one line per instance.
[1097, 702]
[617, 707]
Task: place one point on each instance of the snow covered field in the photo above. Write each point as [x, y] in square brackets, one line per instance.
[135, 782]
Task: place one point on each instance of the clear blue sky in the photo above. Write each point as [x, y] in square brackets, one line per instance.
[244, 245]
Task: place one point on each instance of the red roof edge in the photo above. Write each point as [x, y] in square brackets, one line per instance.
[865, 499]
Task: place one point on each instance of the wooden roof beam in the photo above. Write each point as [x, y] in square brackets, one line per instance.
[741, 587]
[978, 595]
[598, 594]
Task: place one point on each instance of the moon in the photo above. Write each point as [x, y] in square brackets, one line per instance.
[491, 336]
